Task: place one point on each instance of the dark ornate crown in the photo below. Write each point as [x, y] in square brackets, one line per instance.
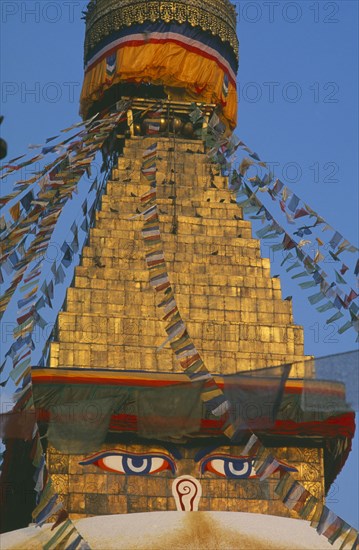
[103, 17]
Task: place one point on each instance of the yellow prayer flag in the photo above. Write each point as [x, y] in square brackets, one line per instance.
[15, 211]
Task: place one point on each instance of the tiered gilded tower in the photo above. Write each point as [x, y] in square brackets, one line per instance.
[162, 56]
[232, 306]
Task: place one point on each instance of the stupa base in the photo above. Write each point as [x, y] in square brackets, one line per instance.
[181, 531]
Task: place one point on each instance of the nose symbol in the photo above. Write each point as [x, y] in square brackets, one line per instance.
[187, 492]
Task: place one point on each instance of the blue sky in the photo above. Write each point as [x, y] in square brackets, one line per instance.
[297, 108]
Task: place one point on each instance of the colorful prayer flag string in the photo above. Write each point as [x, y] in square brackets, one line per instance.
[178, 337]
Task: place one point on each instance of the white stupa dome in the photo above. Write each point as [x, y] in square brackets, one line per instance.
[181, 531]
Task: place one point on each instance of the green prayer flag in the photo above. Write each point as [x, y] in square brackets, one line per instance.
[334, 317]
[276, 247]
[59, 534]
[301, 274]
[261, 232]
[288, 256]
[339, 279]
[345, 327]
[315, 298]
[293, 266]
[325, 307]
[307, 284]
[19, 369]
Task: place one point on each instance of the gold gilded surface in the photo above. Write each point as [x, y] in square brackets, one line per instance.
[90, 490]
[59, 463]
[232, 306]
[60, 482]
[230, 303]
[215, 16]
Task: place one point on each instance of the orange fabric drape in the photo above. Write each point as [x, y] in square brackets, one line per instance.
[169, 64]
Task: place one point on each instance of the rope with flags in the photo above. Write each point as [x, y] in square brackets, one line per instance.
[62, 183]
[319, 265]
[292, 493]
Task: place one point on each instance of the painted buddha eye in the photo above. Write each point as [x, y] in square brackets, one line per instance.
[228, 466]
[121, 462]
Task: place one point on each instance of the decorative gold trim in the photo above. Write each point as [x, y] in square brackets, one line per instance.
[215, 16]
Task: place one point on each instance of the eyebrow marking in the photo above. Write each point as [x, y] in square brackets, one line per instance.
[204, 452]
[176, 453]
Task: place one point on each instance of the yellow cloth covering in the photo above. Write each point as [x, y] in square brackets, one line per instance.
[168, 64]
